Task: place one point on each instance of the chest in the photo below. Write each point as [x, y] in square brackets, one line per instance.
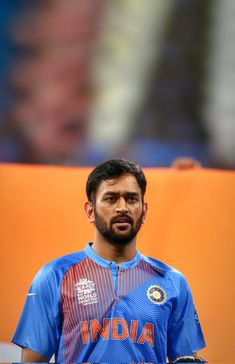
[115, 303]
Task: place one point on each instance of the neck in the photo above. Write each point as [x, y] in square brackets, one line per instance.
[114, 253]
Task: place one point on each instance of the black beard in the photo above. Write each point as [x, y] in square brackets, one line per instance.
[111, 236]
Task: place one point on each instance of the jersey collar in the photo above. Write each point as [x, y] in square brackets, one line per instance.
[109, 264]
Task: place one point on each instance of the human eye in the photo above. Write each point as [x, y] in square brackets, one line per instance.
[110, 199]
[132, 199]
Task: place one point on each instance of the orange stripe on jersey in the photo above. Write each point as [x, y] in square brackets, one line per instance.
[124, 280]
[119, 283]
[131, 277]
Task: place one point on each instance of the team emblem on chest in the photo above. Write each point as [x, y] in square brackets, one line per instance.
[86, 293]
[156, 295]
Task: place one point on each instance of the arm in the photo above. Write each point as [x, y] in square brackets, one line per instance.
[185, 336]
[38, 330]
[31, 356]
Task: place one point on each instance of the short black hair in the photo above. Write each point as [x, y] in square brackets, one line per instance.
[111, 169]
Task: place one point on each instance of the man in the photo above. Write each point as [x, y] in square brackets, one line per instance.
[109, 303]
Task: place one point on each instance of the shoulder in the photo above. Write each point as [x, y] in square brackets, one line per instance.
[165, 268]
[174, 275]
[65, 262]
[54, 271]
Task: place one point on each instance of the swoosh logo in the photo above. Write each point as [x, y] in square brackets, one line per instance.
[32, 294]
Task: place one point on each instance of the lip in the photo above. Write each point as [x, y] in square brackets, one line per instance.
[122, 220]
[124, 223]
[122, 226]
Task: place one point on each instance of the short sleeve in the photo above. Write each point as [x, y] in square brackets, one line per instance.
[39, 325]
[184, 330]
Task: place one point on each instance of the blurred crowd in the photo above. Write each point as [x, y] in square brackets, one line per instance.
[49, 78]
[170, 123]
[48, 52]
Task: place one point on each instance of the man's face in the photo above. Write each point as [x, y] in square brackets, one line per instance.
[119, 209]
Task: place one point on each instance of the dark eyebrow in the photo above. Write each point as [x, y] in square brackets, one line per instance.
[108, 193]
[127, 194]
[132, 194]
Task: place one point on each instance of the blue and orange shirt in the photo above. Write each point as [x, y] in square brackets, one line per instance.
[83, 308]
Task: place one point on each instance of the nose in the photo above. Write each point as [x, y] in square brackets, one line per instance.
[122, 206]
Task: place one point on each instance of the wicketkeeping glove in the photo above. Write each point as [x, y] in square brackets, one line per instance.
[189, 359]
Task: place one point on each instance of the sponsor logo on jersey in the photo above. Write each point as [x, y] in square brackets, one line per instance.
[86, 293]
[156, 295]
[117, 329]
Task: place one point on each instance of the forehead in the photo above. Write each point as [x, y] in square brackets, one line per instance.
[125, 183]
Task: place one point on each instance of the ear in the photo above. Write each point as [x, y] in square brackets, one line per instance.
[145, 210]
[89, 211]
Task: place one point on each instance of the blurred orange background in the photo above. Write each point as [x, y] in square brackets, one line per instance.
[190, 226]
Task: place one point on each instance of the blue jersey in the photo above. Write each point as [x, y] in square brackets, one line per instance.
[83, 308]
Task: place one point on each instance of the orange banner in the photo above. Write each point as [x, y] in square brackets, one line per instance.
[190, 226]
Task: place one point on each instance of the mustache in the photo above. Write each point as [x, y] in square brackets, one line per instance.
[122, 218]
